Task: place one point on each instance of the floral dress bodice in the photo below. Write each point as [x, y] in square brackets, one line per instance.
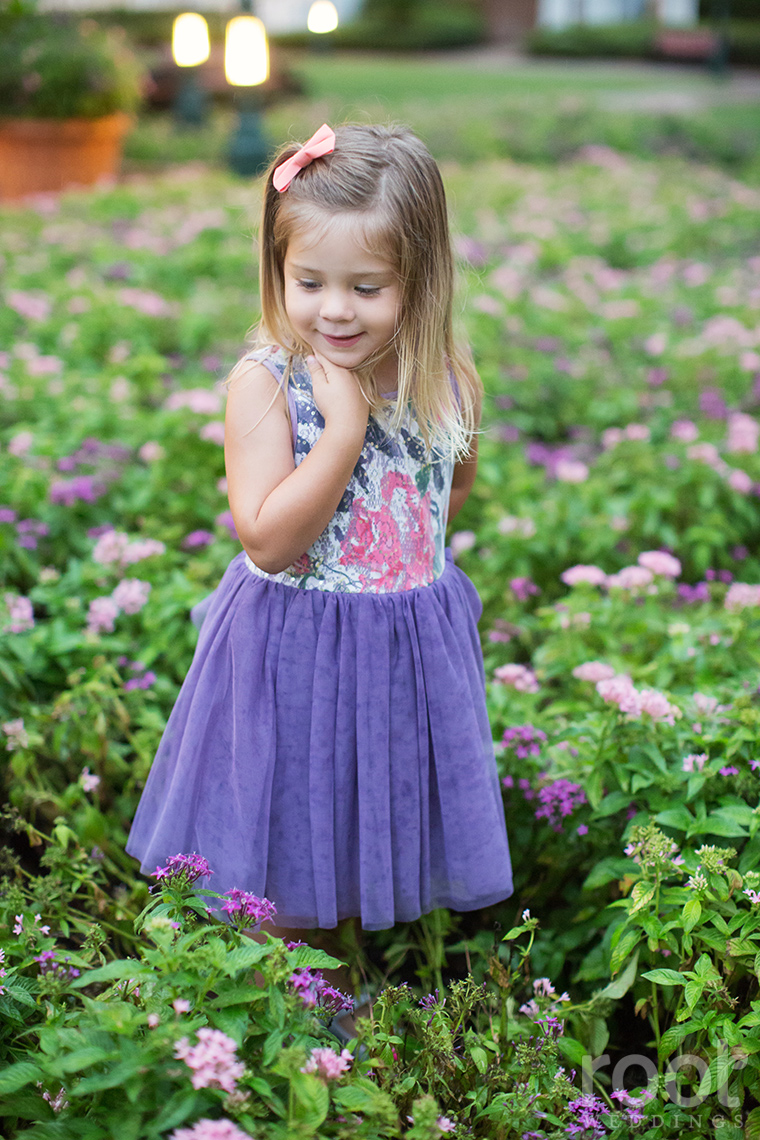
[389, 529]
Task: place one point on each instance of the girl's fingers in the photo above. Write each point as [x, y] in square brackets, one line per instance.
[315, 364]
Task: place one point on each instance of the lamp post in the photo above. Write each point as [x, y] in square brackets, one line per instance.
[190, 48]
[246, 65]
[322, 19]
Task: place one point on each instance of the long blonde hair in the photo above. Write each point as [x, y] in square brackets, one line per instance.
[388, 176]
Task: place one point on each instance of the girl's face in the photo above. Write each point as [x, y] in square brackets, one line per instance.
[341, 300]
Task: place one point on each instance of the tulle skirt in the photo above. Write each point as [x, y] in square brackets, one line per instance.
[333, 753]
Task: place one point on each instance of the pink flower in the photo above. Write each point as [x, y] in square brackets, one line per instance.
[212, 1060]
[443, 1124]
[611, 437]
[32, 306]
[685, 430]
[638, 432]
[20, 612]
[89, 780]
[19, 924]
[213, 432]
[519, 677]
[739, 480]
[706, 705]
[181, 1005]
[206, 1129]
[327, 1064]
[657, 706]
[16, 734]
[146, 301]
[461, 541]
[695, 760]
[618, 690]
[110, 547]
[153, 1020]
[591, 574]
[20, 443]
[659, 562]
[571, 471]
[203, 401]
[704, 453]
[655, 344]
[131, 595]
[741, 595]
[151, 451]
[593, 671]
[44, 366]
[101, 615]
[630, 578]
[743, 433]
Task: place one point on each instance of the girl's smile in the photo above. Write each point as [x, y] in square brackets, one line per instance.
[342, 300]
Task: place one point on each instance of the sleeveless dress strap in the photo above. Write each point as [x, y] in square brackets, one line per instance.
[264, 356]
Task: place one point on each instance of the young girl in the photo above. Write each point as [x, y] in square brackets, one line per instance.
[330, 747]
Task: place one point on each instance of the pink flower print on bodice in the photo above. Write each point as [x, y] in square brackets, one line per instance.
[394, 548]
[388, 532]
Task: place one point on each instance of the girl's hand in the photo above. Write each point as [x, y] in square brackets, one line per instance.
[338, 396]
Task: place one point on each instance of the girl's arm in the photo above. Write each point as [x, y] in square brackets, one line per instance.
[465, 470]
[280, 509]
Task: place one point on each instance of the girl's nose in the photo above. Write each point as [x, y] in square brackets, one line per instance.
[336, 305]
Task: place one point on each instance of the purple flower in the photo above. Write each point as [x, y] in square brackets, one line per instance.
[7, 515]
[698, 593]
[198, 538]
[557, 800]
[225, 519]
[315, 992]
[524, 739]
[241, 905]
[82, 488]
[711, 402]
[522, 588]
[189, 868]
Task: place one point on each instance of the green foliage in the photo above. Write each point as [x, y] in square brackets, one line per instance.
[51, 67]
[638, 40]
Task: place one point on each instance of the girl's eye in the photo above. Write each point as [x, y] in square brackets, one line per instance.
[367, 290]
[310, 285]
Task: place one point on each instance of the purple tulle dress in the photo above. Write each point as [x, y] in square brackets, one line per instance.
[330, 747]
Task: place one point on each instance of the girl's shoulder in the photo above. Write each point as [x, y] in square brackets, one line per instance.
[284, 366]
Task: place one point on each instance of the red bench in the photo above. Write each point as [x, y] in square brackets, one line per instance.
[687, 43]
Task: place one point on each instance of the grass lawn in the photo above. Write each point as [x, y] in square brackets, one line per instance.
[472, 106]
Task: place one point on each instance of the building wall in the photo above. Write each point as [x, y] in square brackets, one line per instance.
[278, 15]
[563, 13]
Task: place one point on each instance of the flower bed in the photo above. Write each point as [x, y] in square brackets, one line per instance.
[615, 317]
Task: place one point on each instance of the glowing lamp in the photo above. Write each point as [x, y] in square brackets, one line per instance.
[190, 42]
[246, 52]
[323, 17]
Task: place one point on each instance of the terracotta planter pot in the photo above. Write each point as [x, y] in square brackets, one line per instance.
[39, 155]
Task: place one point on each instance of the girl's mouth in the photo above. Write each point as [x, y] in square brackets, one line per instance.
[341, 341]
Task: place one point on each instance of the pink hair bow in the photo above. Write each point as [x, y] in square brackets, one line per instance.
[322, 142]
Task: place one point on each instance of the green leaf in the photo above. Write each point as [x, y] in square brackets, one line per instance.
[621, 985]
[16, 1076]
[27, 1106]
[312, 1099]
[111, 1079]
[572, 1050]
[627, 943]
[305, 957]
[673, 1037]
[272, 1046]
[692, 993]
[83, 1059]
[664, 977]
[679, 817]
[642, 893]
[610, 805]
[514, 932]
[607, 870]
[717, 823]
[752, 1125]
[243, 957]
[116, 971]
[691, 914]
[233, 1021]
[479, 1058]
